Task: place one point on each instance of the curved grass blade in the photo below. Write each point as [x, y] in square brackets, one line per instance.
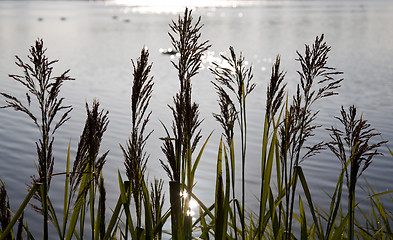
[194, 167]
[303, 220]
[66, 187]
[20, 210]
[299, 173]
[334, 205]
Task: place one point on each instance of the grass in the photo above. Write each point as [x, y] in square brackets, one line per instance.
[289, 123]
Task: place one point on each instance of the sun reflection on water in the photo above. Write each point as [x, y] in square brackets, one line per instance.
[176, 6]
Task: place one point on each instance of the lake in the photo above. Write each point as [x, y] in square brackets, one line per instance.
[96, 40]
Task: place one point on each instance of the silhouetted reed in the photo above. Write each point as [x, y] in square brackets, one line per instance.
[317, 81]
[89, 146]
[186, 41]
[228, 113]
[275, 91]
[134, 153]
[353, 147]
[185, 112]
[87, 169]
[237, 79]
[45, 89]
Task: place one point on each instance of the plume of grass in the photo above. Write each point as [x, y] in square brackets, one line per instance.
[87, 169]
[134, 154]
[274, 99]
[237, 79]
[317, 81]
[227, 118]
[42, 89]
[353, 145]
[275, 91]
[179, 149]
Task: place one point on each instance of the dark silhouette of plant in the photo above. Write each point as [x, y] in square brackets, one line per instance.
[87, 169]
[134, 154]
[186, 112]
[317, 81]
[237, 79]
[45, 89]
[5, 216]
[157, 199]
[227, 118]
[228, 113]
[186, 120]
[275, 91]
[352, 146]
[89, 146]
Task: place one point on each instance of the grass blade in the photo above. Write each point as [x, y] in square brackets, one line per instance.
[66, 187]
[219, 198]
[302, 179]
[20, 210]
[303, 220]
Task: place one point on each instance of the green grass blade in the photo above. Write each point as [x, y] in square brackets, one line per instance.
[227, 208]
[80, 202]
[54, 217]
[99, 224]
[28, 233]
[205, 228]
[66, 189]
[339, 233]
[273, 216]
[82, 217]
[158, 227]
[20, 211]
[114, 219]
[335, 205]
[307, 193]
[92, 200]
[148, 213]
[198, 158]
[303, 220]
[267, 166]
[125, 189]
[219, 197]
[381, 210]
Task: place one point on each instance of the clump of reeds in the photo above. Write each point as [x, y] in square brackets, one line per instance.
[43, 90]
[134, 154]
[287, 127]
[353, 147]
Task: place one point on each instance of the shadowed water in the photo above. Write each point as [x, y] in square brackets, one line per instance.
[97, 40]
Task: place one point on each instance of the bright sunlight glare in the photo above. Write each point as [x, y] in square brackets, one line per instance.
[176, 6]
